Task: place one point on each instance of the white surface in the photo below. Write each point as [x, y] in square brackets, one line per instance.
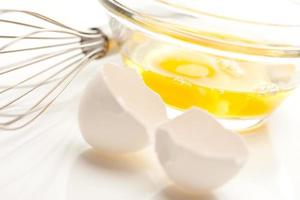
[51, 161]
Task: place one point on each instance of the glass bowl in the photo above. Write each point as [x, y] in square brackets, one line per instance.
[223, 59]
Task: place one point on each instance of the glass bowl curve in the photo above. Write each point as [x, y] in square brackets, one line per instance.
[240, 80]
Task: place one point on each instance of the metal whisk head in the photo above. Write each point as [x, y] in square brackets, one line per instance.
[39, 58]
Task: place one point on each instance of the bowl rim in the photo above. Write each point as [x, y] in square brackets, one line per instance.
[145, 22]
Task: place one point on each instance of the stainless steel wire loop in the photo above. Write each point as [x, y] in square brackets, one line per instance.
[39, 58]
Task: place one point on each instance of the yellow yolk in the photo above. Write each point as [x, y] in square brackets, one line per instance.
[227, 91]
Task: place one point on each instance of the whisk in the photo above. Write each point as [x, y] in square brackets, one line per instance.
[39, 63]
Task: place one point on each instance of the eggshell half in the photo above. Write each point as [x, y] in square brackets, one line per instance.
[197, 153]
[118, 111]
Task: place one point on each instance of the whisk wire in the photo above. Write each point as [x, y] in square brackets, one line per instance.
[48, 69]
[20, 23]
[46, 19]
[39, 73]
[40, 84]
[20, 38]
[37, 38]
[71, 76]
[43, 57]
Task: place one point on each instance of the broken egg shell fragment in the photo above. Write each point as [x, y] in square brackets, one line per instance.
[118, 111]
[197, 153]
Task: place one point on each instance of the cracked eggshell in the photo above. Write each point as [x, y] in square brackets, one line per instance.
[118, 111]
[197, 153]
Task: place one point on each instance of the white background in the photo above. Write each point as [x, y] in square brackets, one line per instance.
[50, 160]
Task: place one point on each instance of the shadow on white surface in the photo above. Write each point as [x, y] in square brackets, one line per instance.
[117, 163]
[95, 175]
[174, 193]
[33, 159]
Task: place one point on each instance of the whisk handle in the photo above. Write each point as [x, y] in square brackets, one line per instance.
[102, 37]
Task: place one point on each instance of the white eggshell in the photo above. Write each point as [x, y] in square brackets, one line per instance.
[197, 153]
[118, 112]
